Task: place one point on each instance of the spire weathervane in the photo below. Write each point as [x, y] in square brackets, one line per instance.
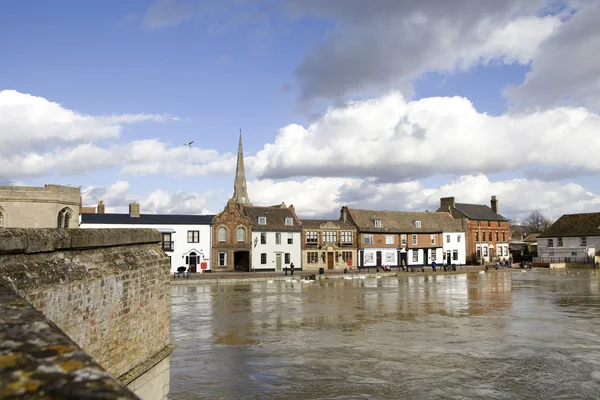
[240, 195]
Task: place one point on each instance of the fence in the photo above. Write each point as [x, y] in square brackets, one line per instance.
[571, 260]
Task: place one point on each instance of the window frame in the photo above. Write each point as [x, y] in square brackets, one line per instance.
[277, 238]
[195, 236]
[290, 220]
[290, 238]
[224, 262]
[263, 238]
[312, 237]
[368, 239]
[583, 241]
[415, 240]
[286, 258]
[377, 223]
[389, 239]
[263, 258]
[559, 242]
[219, 230]
[415, 256]
[262, 220]
[432, 238]
[237, 234]
[549, 242]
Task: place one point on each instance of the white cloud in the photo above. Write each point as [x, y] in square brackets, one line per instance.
[389, 138]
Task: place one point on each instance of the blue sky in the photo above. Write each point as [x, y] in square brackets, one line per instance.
[331, 97]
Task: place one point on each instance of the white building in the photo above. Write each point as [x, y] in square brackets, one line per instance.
[454, 247]
[572, 238]
[186, 239]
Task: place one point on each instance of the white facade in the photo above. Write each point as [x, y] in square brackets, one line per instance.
[574, 248]
[184, 252]
[453, 244]
[488, 252]
[275, 251]
[389, 256]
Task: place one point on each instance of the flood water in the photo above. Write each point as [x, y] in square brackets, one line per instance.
[496, 335]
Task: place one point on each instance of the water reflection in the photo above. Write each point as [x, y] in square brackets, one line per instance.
[500, 334]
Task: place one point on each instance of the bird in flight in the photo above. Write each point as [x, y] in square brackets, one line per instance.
[189, 144]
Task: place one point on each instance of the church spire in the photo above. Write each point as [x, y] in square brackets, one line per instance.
[240, 195]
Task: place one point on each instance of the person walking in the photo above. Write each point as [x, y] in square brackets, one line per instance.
[292, 269]
[433, 265]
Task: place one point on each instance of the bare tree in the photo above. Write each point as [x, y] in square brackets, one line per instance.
[537, 222]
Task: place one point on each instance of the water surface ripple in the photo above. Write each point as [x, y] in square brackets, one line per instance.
[497, 335]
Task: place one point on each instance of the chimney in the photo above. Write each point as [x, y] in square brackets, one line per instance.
[447, 204]
[494, 204]
[100, 208]
[345, 214]
[134, 210]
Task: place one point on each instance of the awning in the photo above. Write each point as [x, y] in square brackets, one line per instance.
[166, 230]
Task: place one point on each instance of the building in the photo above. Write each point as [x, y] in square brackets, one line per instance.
[328, 244]
[51, 206]
[454, 245]
[186, 239]
[397, 238]
[572, 238]
[253, 238]
[487, 232]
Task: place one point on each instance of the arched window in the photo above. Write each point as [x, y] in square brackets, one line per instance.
[241, 235]
[59, 220]
[1, 218]
[67, 219]
[222, 234]
[64, 218]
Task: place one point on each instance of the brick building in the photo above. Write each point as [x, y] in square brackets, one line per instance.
[487, 232]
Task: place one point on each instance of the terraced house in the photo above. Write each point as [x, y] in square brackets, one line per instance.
[397, 238]
[328, 244]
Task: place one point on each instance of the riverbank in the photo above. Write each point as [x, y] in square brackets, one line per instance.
[236, 277]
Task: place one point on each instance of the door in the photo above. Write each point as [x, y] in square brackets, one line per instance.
[378, 256]
[329, 260]
[278, 261]
[193, 259]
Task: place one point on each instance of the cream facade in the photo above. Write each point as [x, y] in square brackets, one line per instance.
[328, 244]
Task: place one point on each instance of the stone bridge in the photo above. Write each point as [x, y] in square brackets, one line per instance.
[81, 307]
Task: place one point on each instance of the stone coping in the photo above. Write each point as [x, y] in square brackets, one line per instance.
[38, 361]
[144, 367]
[42, 240]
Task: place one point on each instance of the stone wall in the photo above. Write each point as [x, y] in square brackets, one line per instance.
[107, 289]
[38, 207]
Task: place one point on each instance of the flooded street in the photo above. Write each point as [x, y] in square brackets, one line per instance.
[500, 335]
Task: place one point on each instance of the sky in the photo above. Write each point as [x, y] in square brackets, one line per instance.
[371, 104]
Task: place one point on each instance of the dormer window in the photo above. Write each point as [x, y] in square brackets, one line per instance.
[262, 220]
[289, 221]
[418, 224]
[377, 223]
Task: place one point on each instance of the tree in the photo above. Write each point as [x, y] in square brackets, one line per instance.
[537, 222]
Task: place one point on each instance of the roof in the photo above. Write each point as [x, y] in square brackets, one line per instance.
[401, 221]
[447, 222]
[316, 223]
[587, 224]
[147, 219]
[87, 210]
[275, 216]
[478, 212]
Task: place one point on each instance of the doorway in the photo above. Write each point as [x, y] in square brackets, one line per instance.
[378, 257]
[278, 262]
[193, 261]
[330, 260]
[403, 259]
[241, 261]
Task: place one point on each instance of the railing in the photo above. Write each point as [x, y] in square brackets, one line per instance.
[574, 260]
[167, 246]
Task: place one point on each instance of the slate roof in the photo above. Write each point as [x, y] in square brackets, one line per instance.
[447, 222]
[275, 215]
[478, 212]
[147, 219]
[574, 225]
[399, 221]
[316, 223]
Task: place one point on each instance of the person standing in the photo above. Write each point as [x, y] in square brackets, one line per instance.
[292, 269]
[433, 265]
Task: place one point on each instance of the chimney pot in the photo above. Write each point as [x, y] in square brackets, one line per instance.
[100, 208]
[134, 210]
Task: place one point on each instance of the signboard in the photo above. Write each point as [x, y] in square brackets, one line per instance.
[203, 265]
[349, 263]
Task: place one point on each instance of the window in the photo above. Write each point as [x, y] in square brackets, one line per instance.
[403, 238]
[447, 238]
[559, 242]
[458, 238]
[262, 220]
[312, 257]
[489, 224]
[489, 236]
[485, 251]
[414, 240]
[504, 236]
[289, 221]
[222, 260]
[550, 243]
[222, 234]
[415, 254]
[1, 219]
[287, 258]
[330, 237]
[311, 238]
[418, 224]
[278, 238]
[63, 218]
[389, 239]
[478, 253]
[433, 254]
[432, 239]
[368, 239]
[477, 236]
[583, 241]
[241, 235]
[263, 238]
[496, 236]
[337, 257]
[346, 256]
[346, 237]
[290, 238]
[67, 219]
[167, 243]
[263, 258]
[498, 224]
[377, 223]
[573, 253]
[193, 236]
[455, 255]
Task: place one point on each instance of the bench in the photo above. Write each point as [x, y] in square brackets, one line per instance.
[180, 272]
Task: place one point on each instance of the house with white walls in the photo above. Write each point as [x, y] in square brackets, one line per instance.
[573, 238]
[454, 248]
[186, 239]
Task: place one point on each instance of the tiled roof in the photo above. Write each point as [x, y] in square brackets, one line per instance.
[574, 225]
[478, 212]
[446, 222]
[316, 223]
[87, 210]
[394, 221]
[147, 219]
[275, 216]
